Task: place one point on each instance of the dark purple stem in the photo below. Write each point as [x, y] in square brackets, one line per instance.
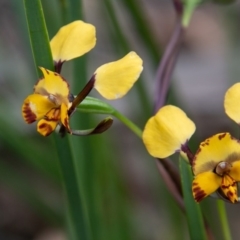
[58, 66]
[164, 73]
[189, 153]
[166, 66]
[80, 97]
[172, 179]
[178, 7]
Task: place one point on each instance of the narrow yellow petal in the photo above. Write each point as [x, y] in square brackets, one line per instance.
[115, 79]
[65, 117]
[235, 171]
[73, 40]
[218, 148]
[229, 188]
[35, 107]
[231, 102]
[46, 127]
[54, 86]
[204, 184]
[165, 132]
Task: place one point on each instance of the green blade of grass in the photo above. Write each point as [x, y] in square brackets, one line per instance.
[193, 211]
[78, 224]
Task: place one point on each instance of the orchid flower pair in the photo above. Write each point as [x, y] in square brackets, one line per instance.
[216, 164]
[52, 102]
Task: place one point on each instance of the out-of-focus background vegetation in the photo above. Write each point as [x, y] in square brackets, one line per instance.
[126, 198]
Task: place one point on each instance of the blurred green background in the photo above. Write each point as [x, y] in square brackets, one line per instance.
[125, 196]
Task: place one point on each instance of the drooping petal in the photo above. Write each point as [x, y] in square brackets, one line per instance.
[218, 148]
[35, 106]
[165, 132]
[113, 80]
[229, 188]
[204, 184]
[235, 171]
[231, 102]
[65, 117]
[46, 127]
[52, 85]
[73, 40]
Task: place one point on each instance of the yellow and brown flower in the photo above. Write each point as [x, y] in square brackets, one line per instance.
[216, 167]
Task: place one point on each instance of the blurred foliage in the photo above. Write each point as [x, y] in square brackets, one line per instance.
[125, 196]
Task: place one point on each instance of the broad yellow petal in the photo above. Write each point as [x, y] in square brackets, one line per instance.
[204, 184]
[54, 86]
[65, 117]
[35, 107]
[218, 148]
[113, 80]
[231, 102]
[235, 171]
[46, 127]
[73, 40]
[165, 132]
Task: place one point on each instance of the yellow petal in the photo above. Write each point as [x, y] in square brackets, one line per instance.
[36, 106]
[229, 188]
[231, 102]
[54, 86]
[165, 132]
[204, 184]
[65, 117]
[73, 40]
[46, 127]
[235, 171]
[218, 148]
[53, 114]
[114, 79]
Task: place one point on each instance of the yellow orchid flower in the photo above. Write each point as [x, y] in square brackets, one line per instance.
[49, 103]
[216, 167]
[167, 132]
[52, 103]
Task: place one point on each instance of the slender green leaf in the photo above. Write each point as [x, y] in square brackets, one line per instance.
[193, 211]
[42, 55]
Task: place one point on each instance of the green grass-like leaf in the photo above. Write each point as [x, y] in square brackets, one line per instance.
[42, 55]
[193, 211]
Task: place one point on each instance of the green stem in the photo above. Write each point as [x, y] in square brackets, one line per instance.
[223, 219]
[128, 123]
[97, 106]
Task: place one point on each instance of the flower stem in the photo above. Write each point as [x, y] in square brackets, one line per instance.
[223, 218]
[128, 123]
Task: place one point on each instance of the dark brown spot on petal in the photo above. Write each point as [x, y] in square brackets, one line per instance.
[27, 113]
[198, 193]
[220, 137]
[46, 71]
[45, 129]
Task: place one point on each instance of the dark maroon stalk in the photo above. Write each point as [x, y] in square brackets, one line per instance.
[189, 153]
[166, 66]
[172, 179]
[178, 7]
[164, 72]
[58, 66]
[80, 97]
